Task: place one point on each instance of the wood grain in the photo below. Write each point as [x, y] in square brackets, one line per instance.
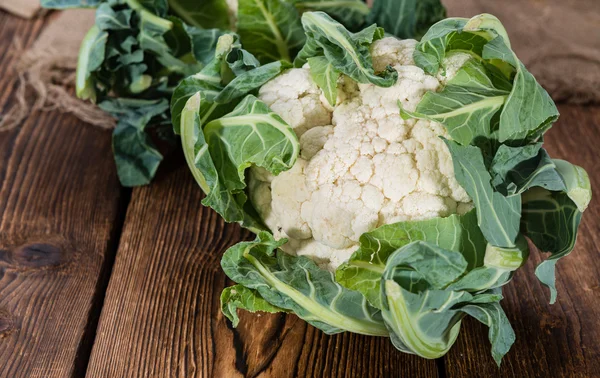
[59, 200]
[559, 340]
[162, 317]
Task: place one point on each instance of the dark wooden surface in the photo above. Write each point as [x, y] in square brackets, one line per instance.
[98, 281]
[59, 211]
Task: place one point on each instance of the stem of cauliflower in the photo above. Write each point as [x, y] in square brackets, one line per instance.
[323, 314]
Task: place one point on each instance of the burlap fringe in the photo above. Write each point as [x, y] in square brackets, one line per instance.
[48, 75]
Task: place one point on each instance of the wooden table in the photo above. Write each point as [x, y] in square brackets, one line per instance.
[103, 281]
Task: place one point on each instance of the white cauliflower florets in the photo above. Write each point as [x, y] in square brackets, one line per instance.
[361, 165]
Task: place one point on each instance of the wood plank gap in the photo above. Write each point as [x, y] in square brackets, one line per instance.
[84, 350]
[441, 366]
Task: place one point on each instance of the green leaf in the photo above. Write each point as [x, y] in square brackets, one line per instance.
[203, 42]
[326, 77]
[406, 18]
[157, 7]
[298, 285]
[108, 19]
[498, 268]
[347, 52]
[577, 183]
[527, 111]
[501, 334]
[91, 55]
[240, 297]
[136, 156]
[169, 41]
[362, 272]
[136, 51]
[350, 13]
[220, 98]
[209, 81]
[466, 105]
[204, 14]
[498, 216]
[200, 82]
[219, 153]
[65, 4]
[516, 169]
[270, 29]
[550, 220]
[423, 314]
[248, 81]
[443, 37]
[420, 266]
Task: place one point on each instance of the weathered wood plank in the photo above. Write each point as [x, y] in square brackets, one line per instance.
[59, 199]
[559, 340]
[162, 317]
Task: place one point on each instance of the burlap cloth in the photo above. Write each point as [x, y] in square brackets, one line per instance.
[558, 40]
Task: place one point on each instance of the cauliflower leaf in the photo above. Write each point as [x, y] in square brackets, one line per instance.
[406, 18]
[219, 153]
[498, 216]
[270, 29]
[297, 284]
[239, 296]
[424, 315]
[347, 52]
[527, 111]
[363, 271]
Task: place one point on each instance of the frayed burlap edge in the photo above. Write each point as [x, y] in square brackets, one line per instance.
[45, 82]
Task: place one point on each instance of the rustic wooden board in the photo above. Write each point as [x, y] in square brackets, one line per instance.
[162, 317]
[59, 199]
[559, 340]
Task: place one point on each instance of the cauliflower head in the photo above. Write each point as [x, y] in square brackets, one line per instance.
[361, 164]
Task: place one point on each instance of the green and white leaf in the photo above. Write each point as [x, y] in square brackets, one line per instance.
[203, 14]
[550, 220]
[270, 29]
[108, 19]
[501, 333]
[136, 155]
[350, 13]
[65, 4]
[577, 183]
[406, 18]
[363, 271]
[91, 56]
[516, 169]
[219, 152]
[248, 81]
[298, 285]
[204, 43]
[498, 268]
[423, 314]
[326, 77]
[498, 216]
[465, 106]
[347, 52]
[528, 110]
[240, 297]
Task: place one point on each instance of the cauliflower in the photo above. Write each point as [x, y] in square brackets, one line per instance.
[361, 165]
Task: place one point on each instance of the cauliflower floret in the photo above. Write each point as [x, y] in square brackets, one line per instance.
[297, 99]
[361, 165]
[313, 141]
